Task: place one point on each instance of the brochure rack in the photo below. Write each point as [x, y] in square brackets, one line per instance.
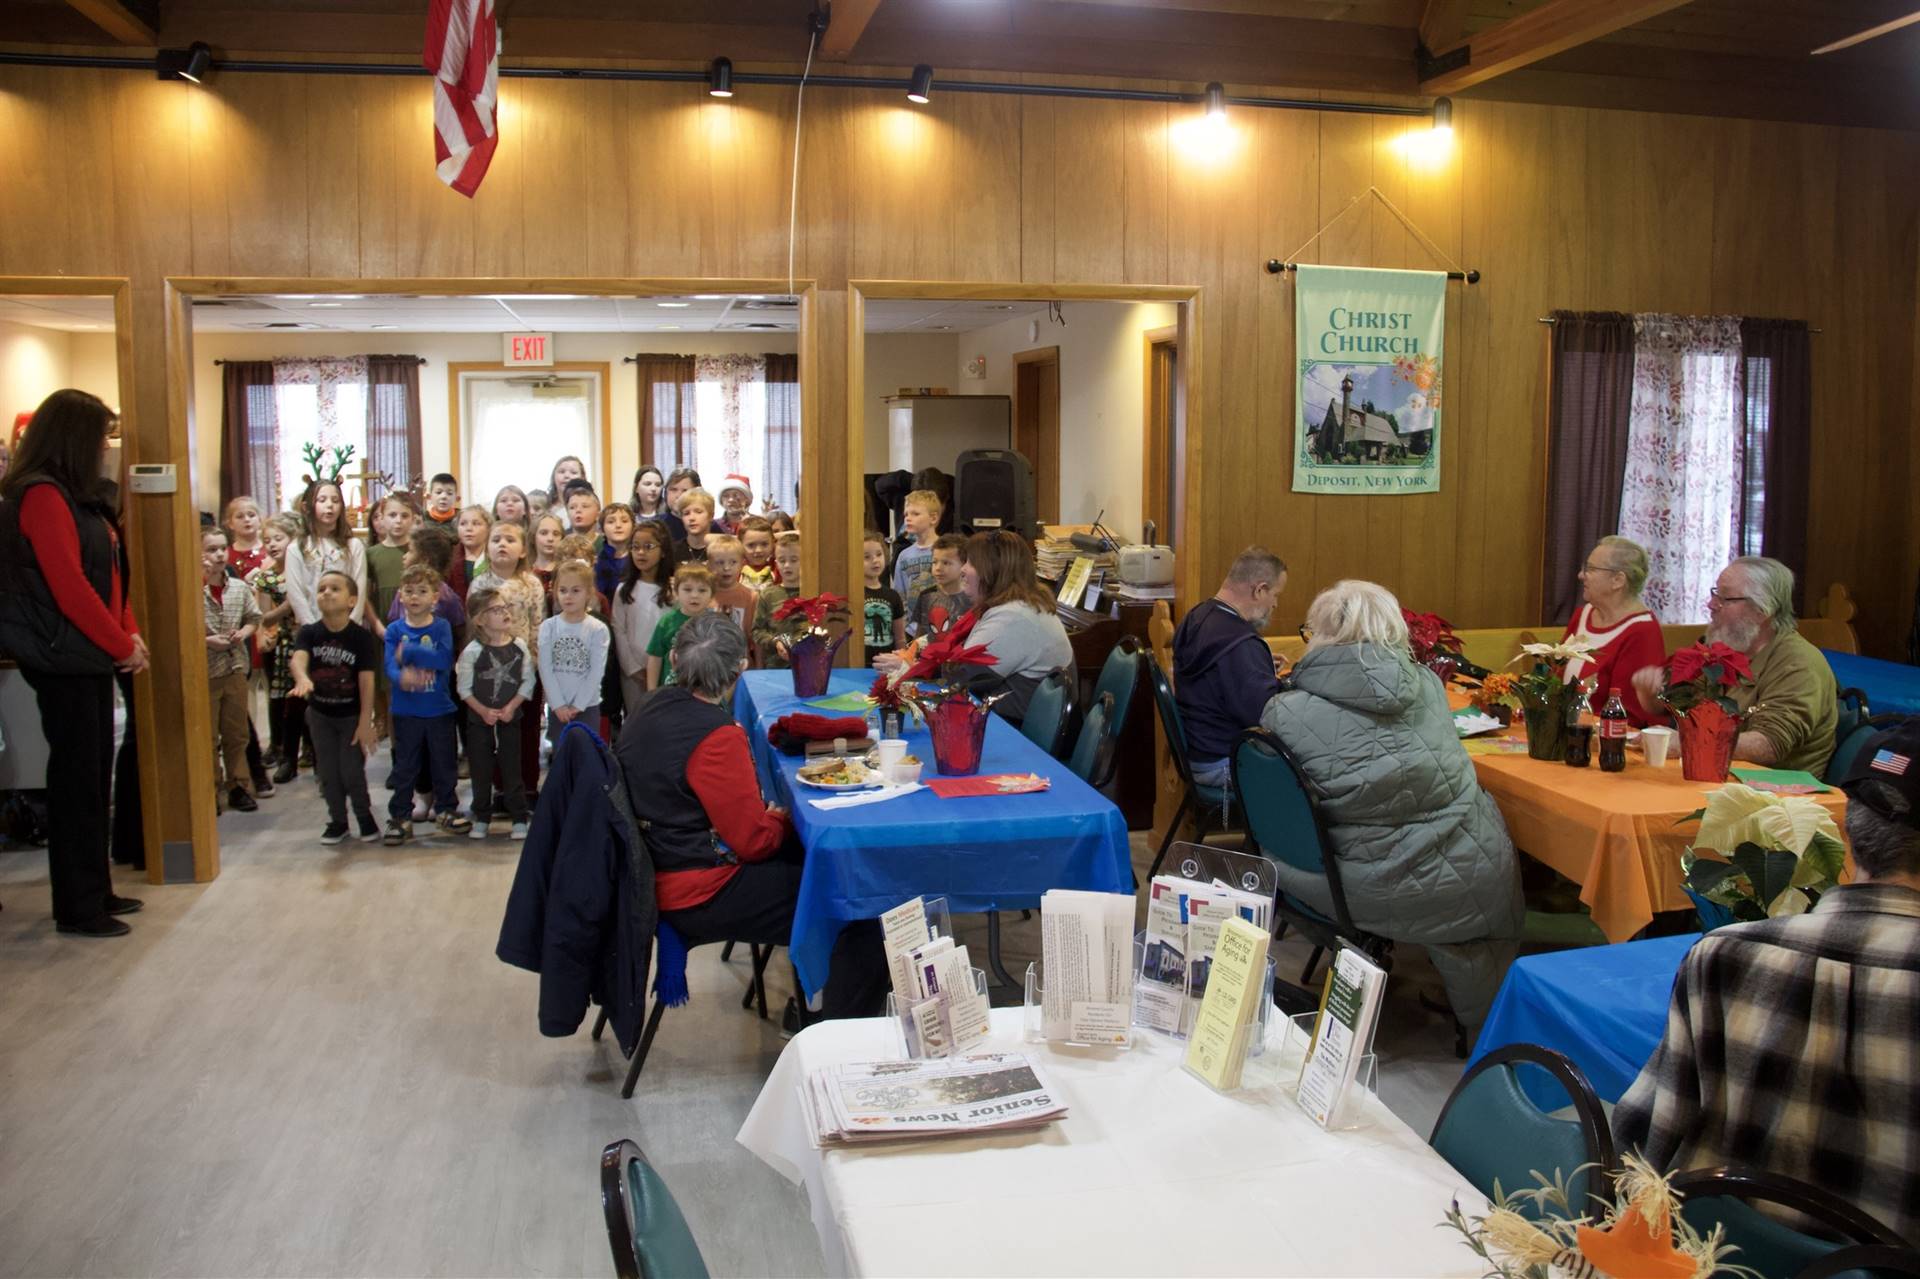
[1295, 1045]
[1035, 1018]
[904, 1036]
[1167, 989]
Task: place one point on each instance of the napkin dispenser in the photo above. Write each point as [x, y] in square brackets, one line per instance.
[1146, 565]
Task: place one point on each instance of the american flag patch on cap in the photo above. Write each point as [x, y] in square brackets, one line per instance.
[1890, 762]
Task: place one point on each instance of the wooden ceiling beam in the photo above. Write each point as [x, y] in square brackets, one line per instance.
[849, 23]
[1443, 26]
[1553, 28]
[117, 20]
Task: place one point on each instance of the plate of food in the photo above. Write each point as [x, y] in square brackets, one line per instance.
[837, 774]
[872, 760]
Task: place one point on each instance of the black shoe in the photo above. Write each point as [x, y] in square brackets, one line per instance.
[101, 926]
[240, 801]
[369, 828]
[285, 773]
[334, 833]
[262, 784]
[123, 905]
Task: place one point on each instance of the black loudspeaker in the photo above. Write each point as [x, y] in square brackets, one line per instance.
[993, 489]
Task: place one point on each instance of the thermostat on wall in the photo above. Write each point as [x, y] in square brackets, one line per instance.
[152, 477]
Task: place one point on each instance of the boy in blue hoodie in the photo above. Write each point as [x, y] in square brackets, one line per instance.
[420, 656]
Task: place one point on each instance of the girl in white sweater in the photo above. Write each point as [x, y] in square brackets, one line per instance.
[328, 546]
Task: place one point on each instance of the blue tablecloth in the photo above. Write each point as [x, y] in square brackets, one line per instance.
[1892, 688]
[986, 853]
[1603, 1006]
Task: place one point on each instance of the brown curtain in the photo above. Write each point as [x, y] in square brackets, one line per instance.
[780, 477]
[1592, 395]
[393, 417]
[249, 434]
[1779, 429]
[666, 410]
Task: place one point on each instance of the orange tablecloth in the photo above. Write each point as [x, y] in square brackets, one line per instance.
[1614, 834]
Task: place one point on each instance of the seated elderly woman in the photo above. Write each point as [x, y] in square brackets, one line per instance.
[1014, 619]
[726, 863]
[1624, 634]
[1423, 853]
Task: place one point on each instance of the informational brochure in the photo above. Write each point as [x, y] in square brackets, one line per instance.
[1086, 958]
[1342, 1035]
[1184, 917]
[942, 1008]
[961, 1096]
[903, 930]
[1217, 1049]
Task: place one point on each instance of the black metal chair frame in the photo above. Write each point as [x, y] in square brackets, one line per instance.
[1380, 949]
[1162, 691]
[1828, 1209]
[756, 993]
[1063, 731]
[1874, 1258]
[616, 1207]
[1587, 1110]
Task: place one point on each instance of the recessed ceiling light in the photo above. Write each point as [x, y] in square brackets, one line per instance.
[386, 326]
[671, 327]
[326, 304]
[709, 297]
[537, 297]
[1000, 306]
[673, 304]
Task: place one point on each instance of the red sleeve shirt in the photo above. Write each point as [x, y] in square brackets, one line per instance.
[1635, 643]
[48, 526]
[720, 770]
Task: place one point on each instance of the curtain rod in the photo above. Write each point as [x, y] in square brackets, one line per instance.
[250, 66]
[417, 359]
[1548, 319]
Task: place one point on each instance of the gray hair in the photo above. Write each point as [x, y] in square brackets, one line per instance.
[707, 654]
[1255, 566]
[1770, 584]
[1355, 612]
[1629, 558]
[1881, 845]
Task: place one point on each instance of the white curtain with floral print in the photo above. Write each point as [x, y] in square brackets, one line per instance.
[730, 413]
[323, 403]
[1686, 437]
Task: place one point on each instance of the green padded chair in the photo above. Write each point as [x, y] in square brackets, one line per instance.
[649, 1237]
[1866, 1261]
[1206, 803]
[1094, 747]
[1490, 1130]
[1119, 676]
[1050, 713]
[1855, 727]
[1723, 1196]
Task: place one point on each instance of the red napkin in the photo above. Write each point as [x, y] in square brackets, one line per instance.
[991, 784]
[790, 733]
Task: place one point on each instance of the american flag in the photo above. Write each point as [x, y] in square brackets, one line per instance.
[1889, 762]
[463, 52]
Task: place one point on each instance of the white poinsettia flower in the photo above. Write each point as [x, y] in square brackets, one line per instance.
[1566, 650]
[1739, 815]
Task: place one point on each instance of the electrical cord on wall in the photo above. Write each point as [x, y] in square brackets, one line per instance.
[793, 196]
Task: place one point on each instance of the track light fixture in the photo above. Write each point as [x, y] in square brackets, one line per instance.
[922, 87]
[1443, 115]
[1216, 101]
[720, 78]
[190, 63]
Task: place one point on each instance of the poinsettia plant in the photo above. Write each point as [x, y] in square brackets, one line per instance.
[934, 675]
[818, 609]
[1430, 635]
[1778, 853]
[1544, 683]
[1705, 673]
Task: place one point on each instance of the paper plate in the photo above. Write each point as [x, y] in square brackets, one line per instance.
[811, 774]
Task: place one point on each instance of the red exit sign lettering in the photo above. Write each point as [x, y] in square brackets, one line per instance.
[528, 348]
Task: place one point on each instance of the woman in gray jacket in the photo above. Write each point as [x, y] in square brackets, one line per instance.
[1016, 622]
[1423, 852]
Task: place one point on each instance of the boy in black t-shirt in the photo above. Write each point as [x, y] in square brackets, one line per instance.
[885, 611]
[334, 660]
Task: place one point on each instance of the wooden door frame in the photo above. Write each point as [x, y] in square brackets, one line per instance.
[1041, 355]
[603, 367]
[1187, 298]
[179, 294]
[1160, 467]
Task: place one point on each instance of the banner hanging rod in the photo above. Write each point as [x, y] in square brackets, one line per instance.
[255, 66]
[1275, 266]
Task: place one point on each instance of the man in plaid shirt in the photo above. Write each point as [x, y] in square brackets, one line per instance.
[1793, 1044]
[231, 614]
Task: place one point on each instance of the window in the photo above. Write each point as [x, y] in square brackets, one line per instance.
[1759, 422]
[725, 415]
[512, 427]
[319, 405]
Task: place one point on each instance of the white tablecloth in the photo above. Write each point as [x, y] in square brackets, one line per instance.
[1150, 1173]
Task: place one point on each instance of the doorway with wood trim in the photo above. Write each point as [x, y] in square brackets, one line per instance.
[1163, 438]
[1036, 424]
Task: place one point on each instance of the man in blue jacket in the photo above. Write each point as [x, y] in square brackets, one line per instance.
[1223, 669]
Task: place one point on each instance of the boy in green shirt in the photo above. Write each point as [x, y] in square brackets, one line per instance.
[692, 596]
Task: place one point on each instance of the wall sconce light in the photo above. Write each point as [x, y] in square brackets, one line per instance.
[720, 78]
[191, 63]
[922, 87]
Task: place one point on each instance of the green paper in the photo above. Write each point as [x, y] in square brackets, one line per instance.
[1774, 778]
[856, 703]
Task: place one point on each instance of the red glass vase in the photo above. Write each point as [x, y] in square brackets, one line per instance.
[811, 659]
[1706, 743]
[959, 729]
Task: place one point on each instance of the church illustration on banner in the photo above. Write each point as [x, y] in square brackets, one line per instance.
[1362, 433]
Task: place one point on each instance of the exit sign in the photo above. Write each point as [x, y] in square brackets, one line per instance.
[523, 349]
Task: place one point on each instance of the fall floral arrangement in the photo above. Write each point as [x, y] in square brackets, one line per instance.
[1778, 854]
[1641, 1233]
[1498, 695]
[817, 608]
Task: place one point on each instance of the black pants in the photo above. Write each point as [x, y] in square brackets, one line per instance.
[76, 717]
[129, 829]
[340, 765]
[486, 745]
[756, 907]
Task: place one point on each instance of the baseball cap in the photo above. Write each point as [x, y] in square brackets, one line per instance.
[1885, 775]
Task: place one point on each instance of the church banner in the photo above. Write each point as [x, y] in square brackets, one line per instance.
[1368, 344]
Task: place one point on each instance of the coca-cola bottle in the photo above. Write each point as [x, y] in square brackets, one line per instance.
[1613, 734]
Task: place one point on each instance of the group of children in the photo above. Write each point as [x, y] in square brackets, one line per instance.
[451, 629]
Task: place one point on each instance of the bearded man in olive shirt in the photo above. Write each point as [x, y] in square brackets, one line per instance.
[1793, 694]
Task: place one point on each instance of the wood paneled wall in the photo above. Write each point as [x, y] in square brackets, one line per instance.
[112, 173]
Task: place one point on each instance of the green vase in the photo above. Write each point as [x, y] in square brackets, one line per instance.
[1546, 728]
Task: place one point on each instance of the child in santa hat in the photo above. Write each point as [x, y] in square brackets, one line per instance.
[736, 498]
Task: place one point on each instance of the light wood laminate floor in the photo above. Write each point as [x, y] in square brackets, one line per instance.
[315, 1066]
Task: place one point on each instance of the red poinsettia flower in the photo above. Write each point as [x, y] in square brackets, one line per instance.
[1427, 632]
[945, 652]
[816, 607]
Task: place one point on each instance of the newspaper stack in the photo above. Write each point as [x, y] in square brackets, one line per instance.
[1183, 927]
[871, 1101]
[1055, 553]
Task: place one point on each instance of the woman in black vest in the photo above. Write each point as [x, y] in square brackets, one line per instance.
[726, 864]
[64, 618]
